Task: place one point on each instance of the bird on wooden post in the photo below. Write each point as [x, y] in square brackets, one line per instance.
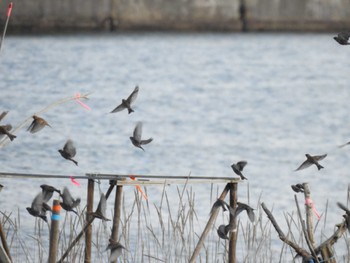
[238, 168]
[47, 192]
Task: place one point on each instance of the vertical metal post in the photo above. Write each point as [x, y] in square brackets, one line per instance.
[233, 237]
[88, 231]
[54, 231]
[206, 230]
[117, 209]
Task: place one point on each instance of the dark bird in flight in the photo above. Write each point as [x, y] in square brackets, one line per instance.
[47, 192]
[126, 104]
[69, 151]
[342, 38]
[312, 160]
[101, 209]
[238, 168]
[39, 207]
[298, 188]
[5, 130]
[136, 139]
[68, 202]
[37, 124]
[116, 250]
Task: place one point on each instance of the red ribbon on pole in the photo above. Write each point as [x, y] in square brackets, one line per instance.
[139, 188]
[308, 201]
[77, 97]
[9, 9]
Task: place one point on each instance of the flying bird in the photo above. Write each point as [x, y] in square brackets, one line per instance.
[223, 231]
[101, 209]
[244, 207]
[69, 151]
[342, 38]
[238, 168]
[37, 124]
[38, 207]
[225, 206]
[136, 139]
[312, 160]
[68, 202]
[116, 250]
[5, 130]
[47, 192]
[126, 104]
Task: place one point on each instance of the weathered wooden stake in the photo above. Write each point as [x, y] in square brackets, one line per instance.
[88, 231]
[4, 243]
[233, 237]
[88, 223]
[308, 212]
[54, 231]
[117, 209]
[207, 228]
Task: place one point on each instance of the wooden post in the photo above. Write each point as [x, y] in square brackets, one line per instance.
[4, 243]
[54, 231]
[233, 237]
[88, 231]
[308, 211]
[76, 240]
[117, 209]
[206, 230]
[3, 256]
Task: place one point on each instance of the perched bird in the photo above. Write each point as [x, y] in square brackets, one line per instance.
[68, 202]
[312, 160]
[238, 168]
[5, 130]
[69, 151]
[342, 38]
[126, 104]
[221, 203]
[223, 230]
[347, 217]
[47, 192]
[136, 139]
[101, 209]
[37, 124]
[39, 208]
[116, 250]
[298, 188]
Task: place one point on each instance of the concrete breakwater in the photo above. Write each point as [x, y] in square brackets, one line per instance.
[231, 15]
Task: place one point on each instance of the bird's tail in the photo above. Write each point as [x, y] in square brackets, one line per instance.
[319, 167]
[11, 136]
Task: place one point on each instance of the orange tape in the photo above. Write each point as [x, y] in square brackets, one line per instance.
[56, 208]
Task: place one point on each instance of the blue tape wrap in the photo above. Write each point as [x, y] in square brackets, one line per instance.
[55, 217]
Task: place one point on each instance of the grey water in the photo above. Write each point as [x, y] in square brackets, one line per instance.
[208, 100]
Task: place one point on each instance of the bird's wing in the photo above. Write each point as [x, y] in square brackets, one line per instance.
[241, 165]
[319, 157]
[344, 35]
[133, 95]
[67, 197]
[341, 206]
[31, 126]
[138, 132]
[102, 205]
[119, 108]
[69, 148]
[142, 142]
[37, 203]
[304, 165]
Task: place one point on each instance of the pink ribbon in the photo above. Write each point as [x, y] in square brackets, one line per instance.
[74, 181]
[308, 201]
[9, 10]
[77, 97]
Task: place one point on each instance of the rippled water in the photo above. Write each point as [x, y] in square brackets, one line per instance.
[208, 100]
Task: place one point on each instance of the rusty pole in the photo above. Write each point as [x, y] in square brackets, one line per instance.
[233, 237]
[117, 209]
[88, 231]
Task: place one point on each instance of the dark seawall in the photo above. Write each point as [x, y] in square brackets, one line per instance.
[187, 15]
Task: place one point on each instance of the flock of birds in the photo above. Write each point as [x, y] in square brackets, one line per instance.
[39, 206]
